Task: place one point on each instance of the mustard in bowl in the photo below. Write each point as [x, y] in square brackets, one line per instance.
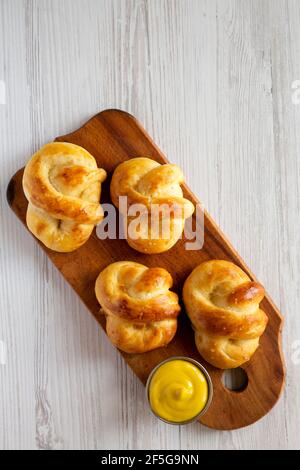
[179, 390]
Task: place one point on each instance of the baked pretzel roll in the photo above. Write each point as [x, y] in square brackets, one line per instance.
[223, 305]
[153, 187]
[141, 312]
[63, 185]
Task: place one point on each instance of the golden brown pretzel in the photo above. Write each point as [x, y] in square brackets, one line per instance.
[144, 181]
[141, 312]
[63, 185]
[223, 305]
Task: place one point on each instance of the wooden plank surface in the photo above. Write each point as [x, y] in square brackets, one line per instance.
[211, 82]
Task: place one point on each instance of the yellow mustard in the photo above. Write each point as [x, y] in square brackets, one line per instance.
[178, 391]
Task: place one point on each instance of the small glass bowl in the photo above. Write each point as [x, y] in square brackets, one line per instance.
[209, 384]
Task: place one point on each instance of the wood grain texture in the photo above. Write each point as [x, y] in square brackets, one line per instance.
[211, 82]
[113, 137]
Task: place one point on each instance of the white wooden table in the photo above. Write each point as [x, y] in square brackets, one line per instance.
[212, 83]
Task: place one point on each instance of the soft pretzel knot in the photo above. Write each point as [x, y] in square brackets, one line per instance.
[141, 312]
[223, 305]
[63, 185]
[155, 192]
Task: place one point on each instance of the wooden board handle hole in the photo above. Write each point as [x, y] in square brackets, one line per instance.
[235, 380]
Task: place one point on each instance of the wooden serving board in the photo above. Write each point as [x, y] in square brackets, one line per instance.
[113, 136]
